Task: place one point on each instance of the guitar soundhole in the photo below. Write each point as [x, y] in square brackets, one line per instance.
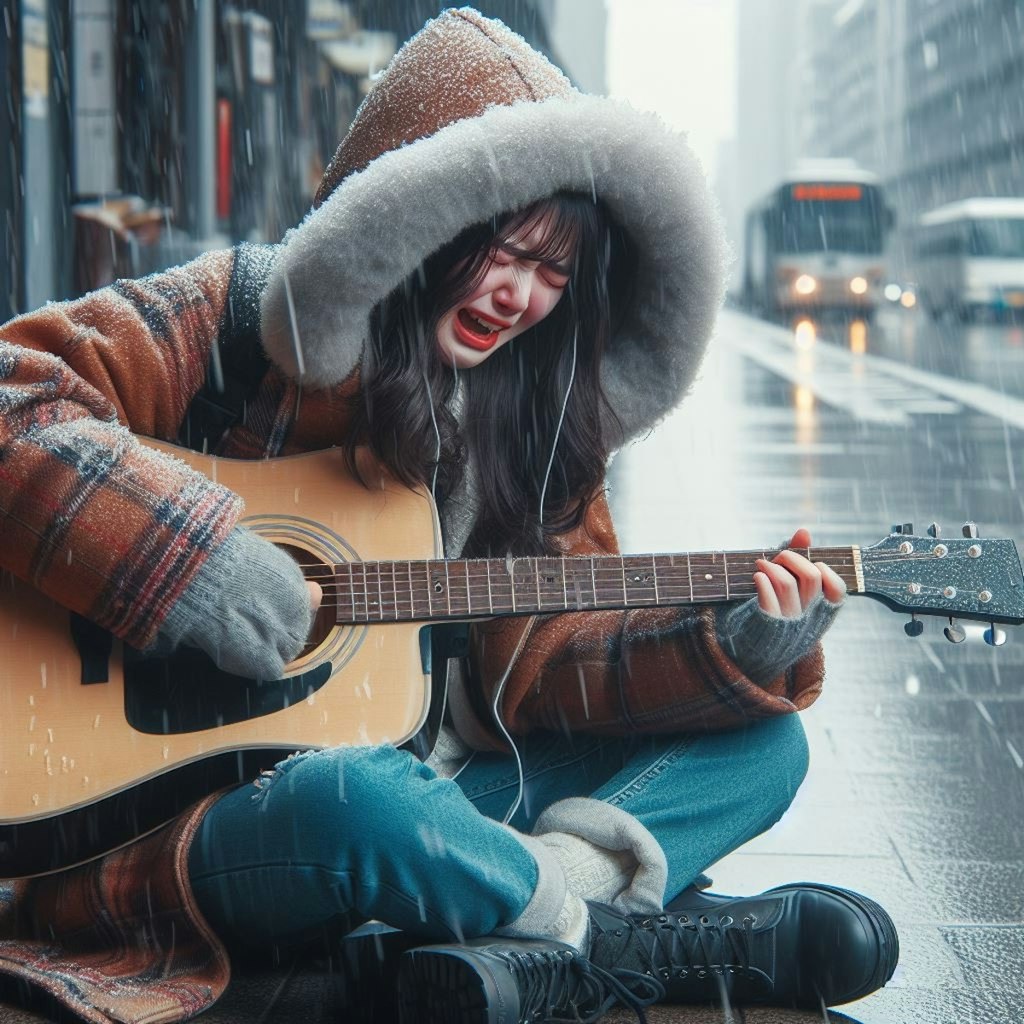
[316, 569]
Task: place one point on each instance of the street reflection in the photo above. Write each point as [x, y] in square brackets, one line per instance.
[858, 337]
[804, 405]
[990, 353]
[806, 333]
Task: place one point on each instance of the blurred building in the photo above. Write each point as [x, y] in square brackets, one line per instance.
[144, 132]
[577, 31]
[768, 102]
[929, 94]
[775, 103]
[964, 103]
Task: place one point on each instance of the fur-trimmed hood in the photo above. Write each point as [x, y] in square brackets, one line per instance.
[466, 122]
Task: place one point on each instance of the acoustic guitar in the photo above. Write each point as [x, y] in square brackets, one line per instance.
[99, 744]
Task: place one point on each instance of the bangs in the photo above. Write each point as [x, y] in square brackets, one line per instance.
[573, 226]
[563, 219]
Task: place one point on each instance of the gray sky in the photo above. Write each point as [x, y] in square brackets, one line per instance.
[678, 58]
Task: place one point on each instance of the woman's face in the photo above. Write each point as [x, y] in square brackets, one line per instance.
[513, 295]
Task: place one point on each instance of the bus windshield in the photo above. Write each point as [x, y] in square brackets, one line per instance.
[812, 225]
[1002, 238]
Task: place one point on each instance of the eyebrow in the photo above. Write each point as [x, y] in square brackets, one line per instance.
[559, 267]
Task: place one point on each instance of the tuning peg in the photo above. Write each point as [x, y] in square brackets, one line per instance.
[994, 636]
[934, 530]
[915, 627]
[954, 632]
[969, 529]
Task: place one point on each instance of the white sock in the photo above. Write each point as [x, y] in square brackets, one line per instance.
[588, 850]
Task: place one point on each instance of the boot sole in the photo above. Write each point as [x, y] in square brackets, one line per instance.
[442, 985]
[882, 928]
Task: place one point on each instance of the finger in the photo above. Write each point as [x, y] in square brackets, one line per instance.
[800, 539]
[833, 586]
[785, 586]
[767, 600]
[316, 595]
[808, 575]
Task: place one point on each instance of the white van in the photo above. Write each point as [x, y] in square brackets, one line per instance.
[969, 258]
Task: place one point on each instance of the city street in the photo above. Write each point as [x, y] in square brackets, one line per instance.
[261, 229]
[916, 788]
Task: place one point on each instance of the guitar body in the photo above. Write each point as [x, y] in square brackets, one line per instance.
[82, 761]
[99, 745]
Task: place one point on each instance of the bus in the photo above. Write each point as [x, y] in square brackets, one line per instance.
[969, 258]
[816, 243]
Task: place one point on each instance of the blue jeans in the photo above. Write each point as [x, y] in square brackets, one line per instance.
[342, 835]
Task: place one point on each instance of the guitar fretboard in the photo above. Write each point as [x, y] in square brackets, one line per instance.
[367, 592]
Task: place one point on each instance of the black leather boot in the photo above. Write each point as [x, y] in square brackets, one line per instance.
[802, 945]
[511, 981]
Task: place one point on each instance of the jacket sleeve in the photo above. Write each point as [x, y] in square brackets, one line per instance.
[101, 524]
[647, 670]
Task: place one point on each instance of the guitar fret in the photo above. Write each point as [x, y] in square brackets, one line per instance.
[390, 591]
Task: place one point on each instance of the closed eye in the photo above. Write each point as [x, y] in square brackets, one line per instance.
[555, 275]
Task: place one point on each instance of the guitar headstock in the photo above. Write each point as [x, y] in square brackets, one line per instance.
[965, 577]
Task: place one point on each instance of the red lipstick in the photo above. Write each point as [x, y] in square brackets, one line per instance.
[470, 337]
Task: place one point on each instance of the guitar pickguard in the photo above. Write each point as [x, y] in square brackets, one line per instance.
[185, 692]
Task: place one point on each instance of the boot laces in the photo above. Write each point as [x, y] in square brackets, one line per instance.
[674, 944]
[561, 986]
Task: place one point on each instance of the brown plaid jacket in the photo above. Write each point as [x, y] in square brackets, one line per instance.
[115, 532]
[119, 939]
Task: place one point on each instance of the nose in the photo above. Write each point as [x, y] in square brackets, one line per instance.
[512, 294]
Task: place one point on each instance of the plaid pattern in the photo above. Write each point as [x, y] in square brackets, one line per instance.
[89, 516]
[116, 532]
[652, 670]
[117, 940]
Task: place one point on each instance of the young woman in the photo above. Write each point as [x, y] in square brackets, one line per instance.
[502, 281]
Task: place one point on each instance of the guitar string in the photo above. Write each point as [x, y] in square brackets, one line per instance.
[384, 584]
[638, 561]
[612, 578]
[638, 592]
[361, 606]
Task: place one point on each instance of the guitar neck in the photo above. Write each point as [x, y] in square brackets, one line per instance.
[438, 589]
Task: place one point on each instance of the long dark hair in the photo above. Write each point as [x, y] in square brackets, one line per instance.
[513, 402]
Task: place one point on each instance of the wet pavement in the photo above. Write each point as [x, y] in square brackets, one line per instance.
[915, 794]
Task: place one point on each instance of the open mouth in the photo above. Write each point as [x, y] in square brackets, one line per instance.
[474, 332]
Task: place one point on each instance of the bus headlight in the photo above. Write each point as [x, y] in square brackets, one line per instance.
[908, 299]
[858, 285]
[805, 285]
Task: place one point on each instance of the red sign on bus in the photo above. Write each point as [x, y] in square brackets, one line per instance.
[841, 192]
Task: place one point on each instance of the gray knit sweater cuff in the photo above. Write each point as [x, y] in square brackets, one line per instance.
[247, 607]
[764, 646]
